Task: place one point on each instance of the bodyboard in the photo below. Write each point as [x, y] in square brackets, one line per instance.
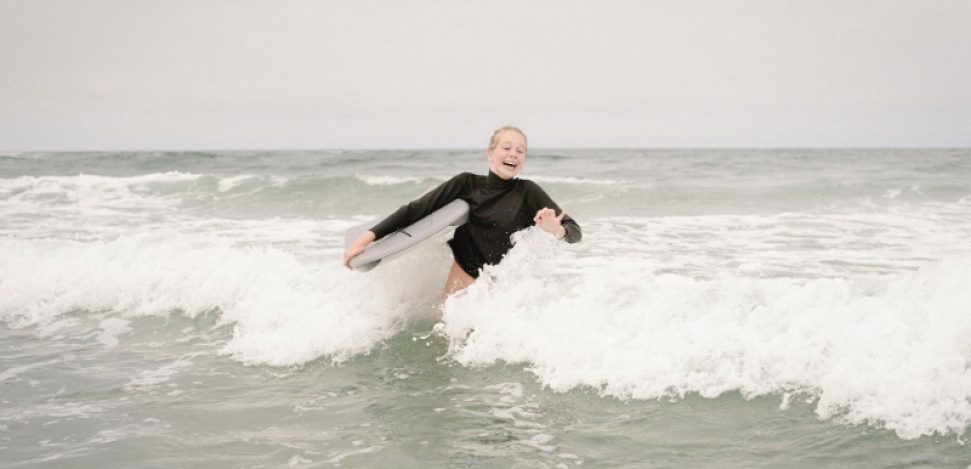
[454, 213]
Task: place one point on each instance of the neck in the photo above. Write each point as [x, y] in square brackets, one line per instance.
[494, 180]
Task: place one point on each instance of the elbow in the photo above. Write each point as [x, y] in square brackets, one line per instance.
[573, 233]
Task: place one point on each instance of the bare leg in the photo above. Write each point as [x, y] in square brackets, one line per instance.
[457, 280]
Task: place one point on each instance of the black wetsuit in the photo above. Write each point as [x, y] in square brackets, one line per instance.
[498, 208]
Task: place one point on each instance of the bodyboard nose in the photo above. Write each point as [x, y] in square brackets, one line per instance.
[454, 213]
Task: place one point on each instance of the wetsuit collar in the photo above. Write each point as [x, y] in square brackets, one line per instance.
[494, 180]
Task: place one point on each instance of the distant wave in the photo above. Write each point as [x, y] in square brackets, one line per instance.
[85, 189]
[574, 180]
[386, 180]
[229, 183]
[168, 176]
[153, 190]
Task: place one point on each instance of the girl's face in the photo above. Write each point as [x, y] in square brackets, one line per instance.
[506, 160]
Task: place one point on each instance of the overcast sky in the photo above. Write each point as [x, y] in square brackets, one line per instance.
[196, 74]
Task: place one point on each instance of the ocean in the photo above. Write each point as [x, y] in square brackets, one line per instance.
[726, 308]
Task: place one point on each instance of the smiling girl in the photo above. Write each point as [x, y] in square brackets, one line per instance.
[500, 204]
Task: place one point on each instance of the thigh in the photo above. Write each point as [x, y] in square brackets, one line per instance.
[457, 280]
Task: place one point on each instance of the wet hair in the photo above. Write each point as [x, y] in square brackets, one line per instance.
[495, 135]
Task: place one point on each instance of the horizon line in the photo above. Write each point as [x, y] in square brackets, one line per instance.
[544, 148]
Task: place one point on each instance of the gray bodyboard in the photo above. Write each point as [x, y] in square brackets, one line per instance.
[454, 213]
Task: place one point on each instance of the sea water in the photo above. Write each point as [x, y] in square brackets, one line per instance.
[726, 308]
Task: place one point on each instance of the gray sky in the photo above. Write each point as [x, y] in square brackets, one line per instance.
[174, 74]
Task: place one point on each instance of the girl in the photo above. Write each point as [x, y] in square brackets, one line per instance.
[500, 204]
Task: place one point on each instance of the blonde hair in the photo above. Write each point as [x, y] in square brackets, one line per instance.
[494, 141]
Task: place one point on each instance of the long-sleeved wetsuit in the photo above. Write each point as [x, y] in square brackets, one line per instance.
[498, 208]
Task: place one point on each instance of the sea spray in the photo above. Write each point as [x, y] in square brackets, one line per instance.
[886, 350]
[283, 311]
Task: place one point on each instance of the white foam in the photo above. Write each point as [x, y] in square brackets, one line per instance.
[55, 409]
[387, 180]
[889, 350]
[284, 311]
[150, 379]
[90, 191]
[111, 329]
[892, 194]
[575, 180]
[336, 457]
[645, 307]
[807, 244]
[13, 372]
[229, 183]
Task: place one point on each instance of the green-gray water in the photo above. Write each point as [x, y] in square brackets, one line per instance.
[742, 308]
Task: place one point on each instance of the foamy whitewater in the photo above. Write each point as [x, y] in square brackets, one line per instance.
[726, 308]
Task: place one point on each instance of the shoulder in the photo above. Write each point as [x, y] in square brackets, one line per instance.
[462, 179]
[535, 194]
[530, 186]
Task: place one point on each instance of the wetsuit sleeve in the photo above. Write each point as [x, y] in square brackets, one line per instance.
[540, 199]
[419, 208]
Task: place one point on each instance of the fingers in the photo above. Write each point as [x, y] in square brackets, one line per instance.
[358, 247]
[544, 212]
[547, 219]
[349, 254]
[548, 212]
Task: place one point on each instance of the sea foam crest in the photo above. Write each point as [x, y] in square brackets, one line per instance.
[575, 180]
[887, 350]
[90, 190]
[284, 311]
[387, 180]
[230, 183]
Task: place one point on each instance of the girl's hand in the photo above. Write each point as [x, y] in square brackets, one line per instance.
[357, 247]
[547, 220]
